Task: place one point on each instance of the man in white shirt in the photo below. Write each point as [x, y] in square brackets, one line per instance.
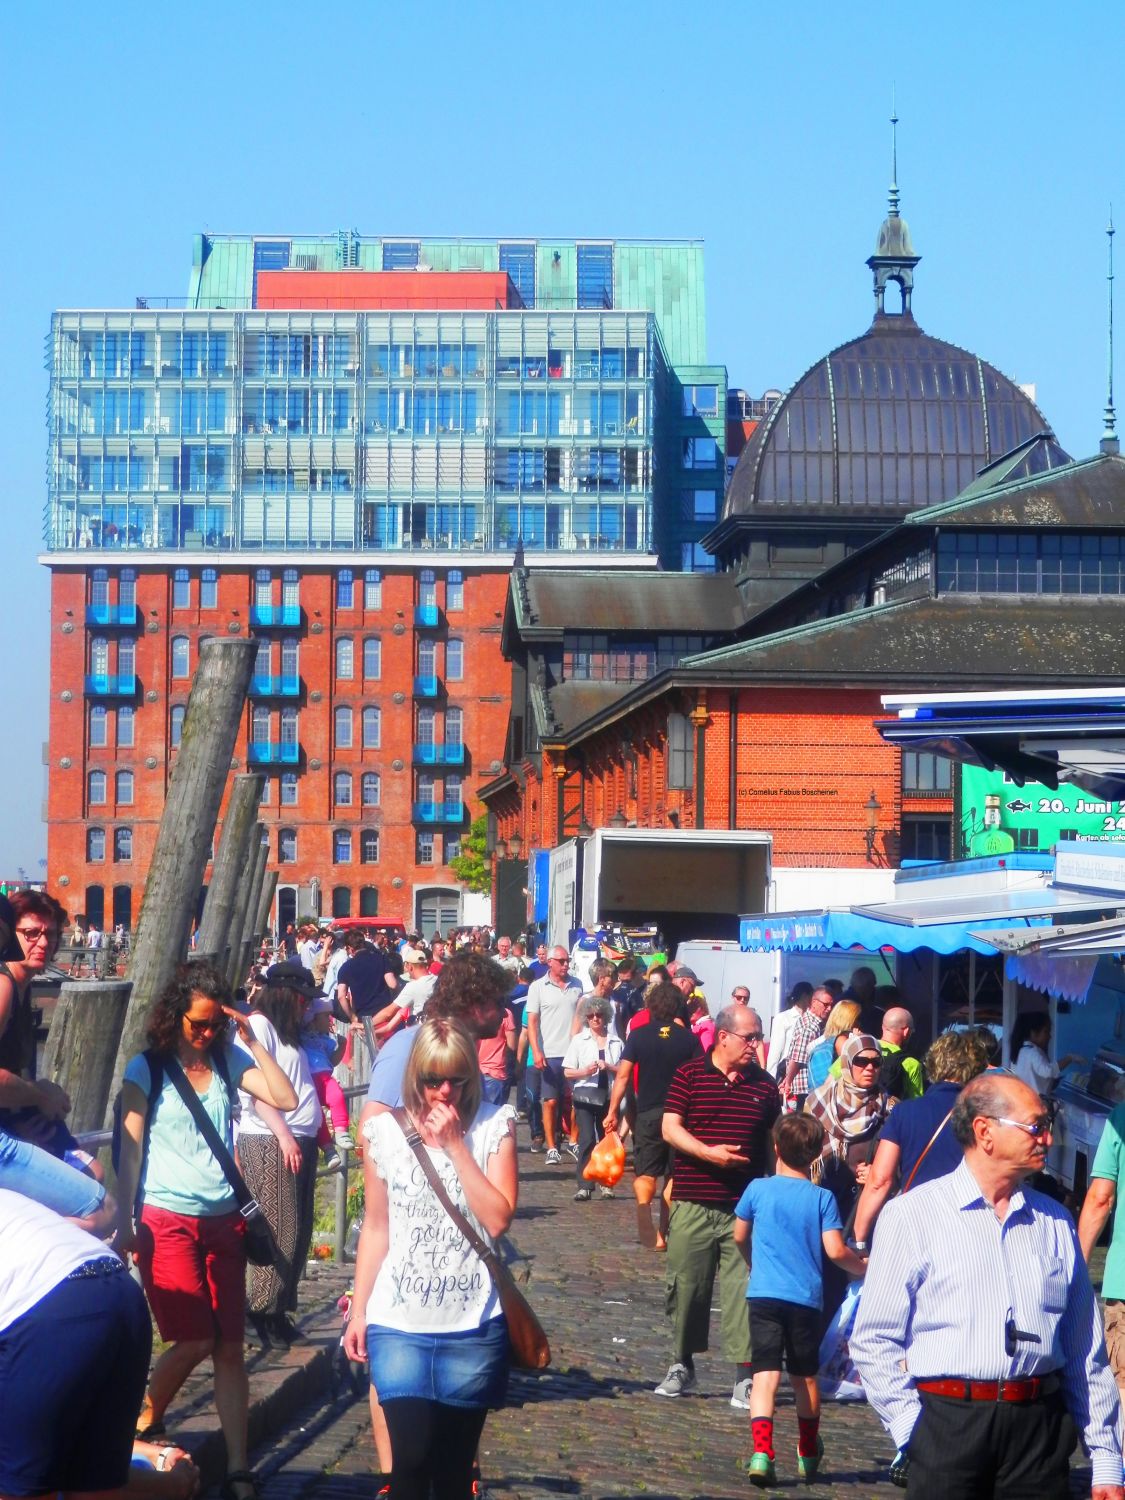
[978, 1337]
[309, 946]
[505, 957]
[550, 1012]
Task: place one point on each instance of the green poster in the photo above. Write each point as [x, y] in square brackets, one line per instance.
[998, 816]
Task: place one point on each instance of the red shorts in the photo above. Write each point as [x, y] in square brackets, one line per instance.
[194, 1274]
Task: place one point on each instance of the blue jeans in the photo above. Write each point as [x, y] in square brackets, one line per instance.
[35, 1173]
[494, 1090]
[533, 1093]
[469, 1368]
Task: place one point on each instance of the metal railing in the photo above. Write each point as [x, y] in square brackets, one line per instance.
[100, 1140]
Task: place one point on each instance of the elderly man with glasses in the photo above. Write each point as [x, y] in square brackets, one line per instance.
[978, 1336]
[551, 1016]
[718, 1115]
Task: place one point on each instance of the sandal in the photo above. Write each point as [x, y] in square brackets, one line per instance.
[238, 1476]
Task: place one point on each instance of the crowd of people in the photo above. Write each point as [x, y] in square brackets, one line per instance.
[774, 1169]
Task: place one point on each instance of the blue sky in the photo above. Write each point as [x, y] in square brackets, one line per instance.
[763, 131]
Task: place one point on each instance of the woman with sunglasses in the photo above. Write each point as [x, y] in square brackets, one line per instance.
[852, 1108]
[188, 1234]
[426, 1313]
[34, 1109]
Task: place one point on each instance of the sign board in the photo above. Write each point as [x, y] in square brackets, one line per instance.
[998, 816]
[561, 897]
[1090, 868]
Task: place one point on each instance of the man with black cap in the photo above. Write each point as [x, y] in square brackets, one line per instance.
[366, 982]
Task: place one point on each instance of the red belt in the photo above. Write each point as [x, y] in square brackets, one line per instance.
[1032, 1388]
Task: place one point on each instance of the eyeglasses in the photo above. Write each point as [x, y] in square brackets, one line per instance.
[866, 1062]
[564, 961]
[33, 935]
[741, 998]
[201, 1028]
[746, 1036]
[435, 1081]
[1036, 1129]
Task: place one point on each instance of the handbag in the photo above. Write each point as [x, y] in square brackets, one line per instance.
[530, 1348]
[262, 1248]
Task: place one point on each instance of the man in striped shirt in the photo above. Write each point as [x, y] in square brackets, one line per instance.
[806, 1030]
[717, 1119]
[978, 1336]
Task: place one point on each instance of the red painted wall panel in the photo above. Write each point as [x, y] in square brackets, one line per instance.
[363, 290]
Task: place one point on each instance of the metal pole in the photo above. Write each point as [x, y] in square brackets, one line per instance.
[183, 841]
[217, 928]
[341, 1209]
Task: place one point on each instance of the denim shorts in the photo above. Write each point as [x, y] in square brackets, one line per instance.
[456, 1369]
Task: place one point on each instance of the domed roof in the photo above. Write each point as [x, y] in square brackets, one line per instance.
[890, 422]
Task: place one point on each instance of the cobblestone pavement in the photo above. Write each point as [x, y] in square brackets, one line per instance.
[591, 1427]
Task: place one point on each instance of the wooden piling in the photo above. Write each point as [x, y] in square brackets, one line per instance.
[183, 841]
[225, 894]
[82, 1046]
[242, 925]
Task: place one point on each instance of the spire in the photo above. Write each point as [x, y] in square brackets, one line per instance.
[894, 258]
[1110, 442]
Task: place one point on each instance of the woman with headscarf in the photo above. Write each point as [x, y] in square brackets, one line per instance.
[852, 1109]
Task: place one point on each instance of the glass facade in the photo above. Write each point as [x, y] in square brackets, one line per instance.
[234, 431]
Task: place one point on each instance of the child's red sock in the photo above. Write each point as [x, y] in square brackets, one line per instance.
[807, 1429]
[761, 1429]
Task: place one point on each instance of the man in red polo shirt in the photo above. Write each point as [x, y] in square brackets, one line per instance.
[717, 1119]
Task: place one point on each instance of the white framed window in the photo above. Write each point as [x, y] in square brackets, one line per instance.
[342, 789]
[371, 789]
[181, 589]
[424, 848]
[345, 589]
[176, 726]
[345, 658]
[181, 656]
[369, 846]
[99, 726]
[372, 727]
[122, 845]
[454, 591]
[372, 589]
[95, 845]
[372, 659]
[209, 589]
[288, 789]
[123, 788]
[96, 787]
[286, 846]
[126, 727]
[342, 846]
[454, 660]
[454, 726]
[343, 718]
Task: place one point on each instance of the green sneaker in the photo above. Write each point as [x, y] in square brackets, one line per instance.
[807, 1467]
[760, 1471]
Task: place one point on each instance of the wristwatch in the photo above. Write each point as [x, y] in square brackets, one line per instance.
[859, 1245]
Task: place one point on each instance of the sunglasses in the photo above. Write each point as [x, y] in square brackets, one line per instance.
[867, 1062]
[202, 1028]
[435, 1081]
[1036, 1129]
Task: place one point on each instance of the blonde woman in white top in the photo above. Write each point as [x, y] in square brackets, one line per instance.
[426, 1313]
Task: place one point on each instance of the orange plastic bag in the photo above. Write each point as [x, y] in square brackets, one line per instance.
[607, 1161]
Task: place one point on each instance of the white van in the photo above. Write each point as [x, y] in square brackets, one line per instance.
[723, 966]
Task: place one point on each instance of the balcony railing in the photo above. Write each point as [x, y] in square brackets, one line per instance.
[275, 616]
[275, 687]
[425, 687]
[273, 753]
[439, 812]
[427, 616]
[107, 685]
[439, 755]
[107, 615]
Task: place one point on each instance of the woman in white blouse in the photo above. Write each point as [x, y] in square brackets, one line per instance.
[426, 1313]
[1031, 1061]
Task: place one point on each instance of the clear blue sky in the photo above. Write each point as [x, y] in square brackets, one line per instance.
[129, 127]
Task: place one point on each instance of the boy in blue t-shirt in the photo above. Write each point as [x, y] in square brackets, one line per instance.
[792, 1222]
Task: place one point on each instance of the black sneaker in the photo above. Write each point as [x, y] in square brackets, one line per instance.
[258, 1333]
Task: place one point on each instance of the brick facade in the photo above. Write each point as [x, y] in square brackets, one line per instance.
[397, 876]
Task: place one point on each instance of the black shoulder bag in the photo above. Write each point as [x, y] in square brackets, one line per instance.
[261, 1247]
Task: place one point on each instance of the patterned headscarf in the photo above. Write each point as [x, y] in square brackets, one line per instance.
[848, 1112]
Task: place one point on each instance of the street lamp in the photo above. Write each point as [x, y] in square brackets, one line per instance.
[618, 820]
[584, 831]
[500, 849]
[515, 844]
[872, 808]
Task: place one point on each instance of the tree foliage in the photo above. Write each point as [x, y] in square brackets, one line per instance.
[472, 866]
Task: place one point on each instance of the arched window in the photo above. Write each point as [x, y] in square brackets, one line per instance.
[122, 845]
[342, 789]
[176, 725]
[427, 658]
[427, 719]
[95, 905]
[99, 588]
[372, 727]
[263, 658]
[342, 846]
[372, 589]
[209, 589]
[427, 587]
[454, 590]
[454, 660]
[95, 845]
[343, 728]
[123, 788]
[290, 655]
[126, 657]
[286, 846]
[453, 789]
[181, 589]
[181, 656]
[127, 587]
[341, 901]
[263, 588]
[260, 724]
[369, 846]
[126, 727]
[371, 789]
[96, 788]
[99, 656]
[123, 906]
[99, 726]
[369, 901]
[290, 588]
[289, 789]
[372, 658]
[345, 589]
[288, 726]
[425, 787]
[454, 726]
[345, 658]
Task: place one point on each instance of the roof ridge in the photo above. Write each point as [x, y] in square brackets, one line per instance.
[1005, 487]
[809, 627]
